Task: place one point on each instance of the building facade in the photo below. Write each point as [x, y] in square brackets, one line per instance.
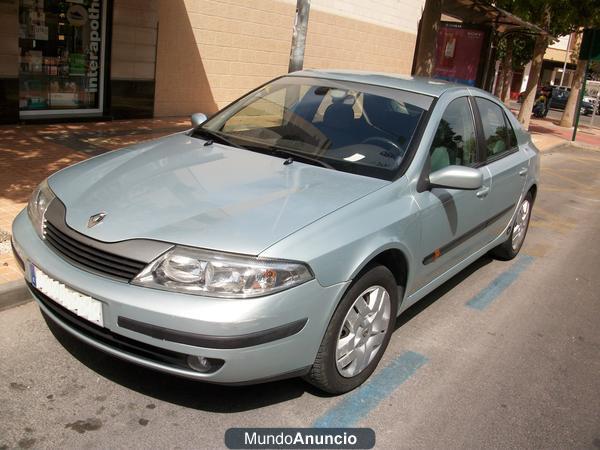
[75, 59]
[560, 61]
[64, 59]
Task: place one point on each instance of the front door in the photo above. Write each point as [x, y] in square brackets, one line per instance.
[453, 220]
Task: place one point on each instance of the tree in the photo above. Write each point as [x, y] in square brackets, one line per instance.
[539, 48]
[514, 50]
[428, 30]
[506, 82]
[555, 18]
[568, 116]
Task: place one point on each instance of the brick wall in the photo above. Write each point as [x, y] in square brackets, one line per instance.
[401, 15]
[134, 39]
[211, 52]
[336, 41]
[9, 61]
[9, 38]
[133, 58]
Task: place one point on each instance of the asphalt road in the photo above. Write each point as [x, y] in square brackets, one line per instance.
[505, 355]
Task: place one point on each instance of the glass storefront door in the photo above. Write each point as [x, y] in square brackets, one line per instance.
[61, 57]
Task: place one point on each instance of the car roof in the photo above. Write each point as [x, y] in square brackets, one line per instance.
[421, 85]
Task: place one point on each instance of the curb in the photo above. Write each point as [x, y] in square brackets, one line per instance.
[579, 145]
[583, 146]
[13, 293]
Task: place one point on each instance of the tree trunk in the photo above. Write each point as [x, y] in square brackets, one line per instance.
[430, 24]
[507, 80]
[506, 93]
[568, 117]
[541, 43]
[500, 80]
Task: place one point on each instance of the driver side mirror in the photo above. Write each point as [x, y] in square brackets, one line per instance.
[456, 177]
[198, 119]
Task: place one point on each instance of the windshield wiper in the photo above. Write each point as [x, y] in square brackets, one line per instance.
[216, 136]
[270, 150]
[299, 156]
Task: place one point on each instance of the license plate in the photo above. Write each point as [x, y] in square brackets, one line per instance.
[82, 305]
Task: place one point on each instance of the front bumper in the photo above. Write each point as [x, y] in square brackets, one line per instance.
[308, 307]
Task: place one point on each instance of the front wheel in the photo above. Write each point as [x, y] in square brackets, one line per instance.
[358, 333]
[509, 249]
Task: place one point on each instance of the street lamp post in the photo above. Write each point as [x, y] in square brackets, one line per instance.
[299, 36]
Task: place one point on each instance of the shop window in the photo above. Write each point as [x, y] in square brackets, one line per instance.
[61, 56]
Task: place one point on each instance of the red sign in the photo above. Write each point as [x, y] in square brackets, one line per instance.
[458, 52]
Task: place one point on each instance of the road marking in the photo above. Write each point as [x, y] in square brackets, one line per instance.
[493, 290]
[356, 405]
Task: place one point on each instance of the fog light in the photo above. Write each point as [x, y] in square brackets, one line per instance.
[204, 365]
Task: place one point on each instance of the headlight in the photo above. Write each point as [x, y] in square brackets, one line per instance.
[38, 204]
[214, 274]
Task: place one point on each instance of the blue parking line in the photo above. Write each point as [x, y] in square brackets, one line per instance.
[493, 290]
[358, 403]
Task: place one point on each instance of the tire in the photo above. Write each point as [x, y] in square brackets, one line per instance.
[511, 247]
[336, 378]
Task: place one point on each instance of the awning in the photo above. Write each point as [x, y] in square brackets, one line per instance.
[480, 13]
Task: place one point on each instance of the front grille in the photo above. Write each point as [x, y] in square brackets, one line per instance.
[90, 258]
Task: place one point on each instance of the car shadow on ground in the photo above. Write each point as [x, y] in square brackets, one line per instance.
[442, 290]
[212, 397]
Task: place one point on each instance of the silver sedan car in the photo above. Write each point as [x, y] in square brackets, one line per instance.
[282, 236]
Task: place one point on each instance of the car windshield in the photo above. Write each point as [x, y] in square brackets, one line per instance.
[352, 127]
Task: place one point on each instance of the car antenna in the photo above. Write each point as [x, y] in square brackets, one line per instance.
[288, 161]
[209, 142]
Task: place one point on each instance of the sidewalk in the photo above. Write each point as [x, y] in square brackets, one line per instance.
[30, 153]
[547, 134]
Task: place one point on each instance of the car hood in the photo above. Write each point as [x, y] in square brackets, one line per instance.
[175, 189]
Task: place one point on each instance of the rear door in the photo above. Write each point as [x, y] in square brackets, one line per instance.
[506, 162]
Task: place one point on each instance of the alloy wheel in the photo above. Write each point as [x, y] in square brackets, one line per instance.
[520, 226]
[363, 331]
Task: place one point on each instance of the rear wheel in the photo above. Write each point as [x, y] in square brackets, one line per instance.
[509, 249]
[358, 333]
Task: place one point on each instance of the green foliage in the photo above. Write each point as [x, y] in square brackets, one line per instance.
[557, 17]
[522, 49]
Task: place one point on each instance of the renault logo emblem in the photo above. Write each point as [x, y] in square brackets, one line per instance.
[96, 219]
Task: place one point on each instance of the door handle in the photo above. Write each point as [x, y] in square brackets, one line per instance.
[483, 192]
[523, 172]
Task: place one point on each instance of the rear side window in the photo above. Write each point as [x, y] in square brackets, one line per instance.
[454, 142]
[512, 137]
[496, 131]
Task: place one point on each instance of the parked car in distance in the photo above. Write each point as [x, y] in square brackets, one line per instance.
[559, 97]
[282, 236]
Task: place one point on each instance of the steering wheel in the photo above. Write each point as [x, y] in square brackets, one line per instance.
[387, 143]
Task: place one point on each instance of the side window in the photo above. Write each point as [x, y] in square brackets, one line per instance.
[495, 130]
[512, 137]
[454, 142]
